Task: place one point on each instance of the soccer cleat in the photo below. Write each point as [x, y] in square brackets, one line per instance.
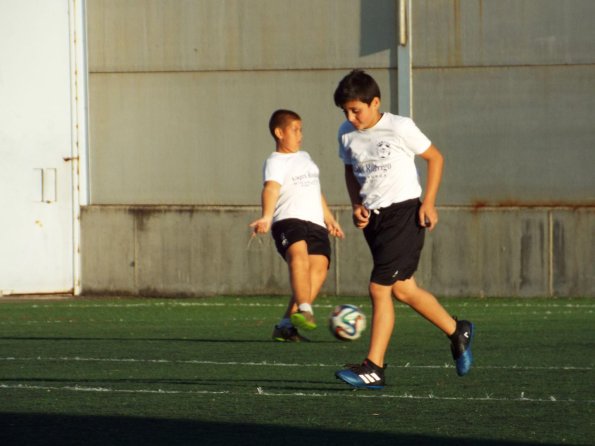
[288, 334]
[460, 345]
[303, 320]
[366, 375]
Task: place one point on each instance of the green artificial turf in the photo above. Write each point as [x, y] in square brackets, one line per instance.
[205, 371]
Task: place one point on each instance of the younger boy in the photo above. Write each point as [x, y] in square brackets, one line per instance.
[378, 151]
[294, 207]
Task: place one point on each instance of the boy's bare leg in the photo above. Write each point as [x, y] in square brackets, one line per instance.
[383, 322]
[318, 270]
[383, 316]
[298, 262]
[318, 273]
[291, 308]
[425, 304]
[370, 374]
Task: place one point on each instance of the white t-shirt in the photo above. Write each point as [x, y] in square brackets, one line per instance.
[383, 159]
[300, 194]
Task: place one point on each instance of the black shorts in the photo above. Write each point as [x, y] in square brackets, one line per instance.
[396, 239]
[291, 230]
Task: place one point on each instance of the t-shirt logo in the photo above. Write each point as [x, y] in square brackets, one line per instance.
[284, 241]
[383, 149]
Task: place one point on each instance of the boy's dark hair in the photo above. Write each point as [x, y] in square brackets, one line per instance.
[356, 86]
[280, 118]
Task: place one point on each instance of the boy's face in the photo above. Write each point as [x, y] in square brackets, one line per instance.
[289, 138]
[361, 115]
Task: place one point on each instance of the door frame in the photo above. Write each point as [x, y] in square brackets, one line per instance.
[79, 77]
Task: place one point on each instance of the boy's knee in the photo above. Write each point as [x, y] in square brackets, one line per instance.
[297, 252]
[298, 261]
[404, 292]
[401, 296]
[379, 292]
[318, 270]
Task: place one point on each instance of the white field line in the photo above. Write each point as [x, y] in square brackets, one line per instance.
[272, 364]
[262, 392]
[282, 303]
[522, 397]
[108, 390]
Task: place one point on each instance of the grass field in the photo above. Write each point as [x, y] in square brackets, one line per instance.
[205, 372]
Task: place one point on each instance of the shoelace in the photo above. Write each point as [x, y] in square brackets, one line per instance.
[353, 366]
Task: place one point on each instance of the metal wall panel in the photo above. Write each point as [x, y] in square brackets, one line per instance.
[201, 138]
[467, 33]
[520, 136]
[181, 91]
[224, 35]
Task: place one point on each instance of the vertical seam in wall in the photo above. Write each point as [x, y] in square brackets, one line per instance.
[550, 258]
[135, 253]
[404, 65]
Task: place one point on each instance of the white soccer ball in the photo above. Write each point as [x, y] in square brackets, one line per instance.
[347, 322]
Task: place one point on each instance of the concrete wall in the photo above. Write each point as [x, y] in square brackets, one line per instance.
[181, 91]
[187, 250]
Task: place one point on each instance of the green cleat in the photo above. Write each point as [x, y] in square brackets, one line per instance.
[303, 320]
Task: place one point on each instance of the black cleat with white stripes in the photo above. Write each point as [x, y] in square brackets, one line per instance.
[366, 375]
[460, 346]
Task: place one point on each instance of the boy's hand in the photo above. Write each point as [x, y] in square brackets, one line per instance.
[428, 217]
[361, 216]
[261, 226]
[334, 229]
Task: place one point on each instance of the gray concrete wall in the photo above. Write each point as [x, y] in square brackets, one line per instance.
[181, 92]
[197, 251]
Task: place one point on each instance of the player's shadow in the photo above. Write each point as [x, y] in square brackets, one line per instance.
[190, 385]
[35, 429]
[144, 339]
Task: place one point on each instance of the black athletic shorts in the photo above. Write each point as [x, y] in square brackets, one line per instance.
[291, 230]
[396, 239]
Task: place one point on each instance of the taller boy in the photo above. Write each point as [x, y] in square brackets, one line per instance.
[378, 151]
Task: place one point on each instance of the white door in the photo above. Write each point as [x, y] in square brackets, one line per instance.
[36, 128]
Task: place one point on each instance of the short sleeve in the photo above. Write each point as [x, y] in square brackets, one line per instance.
[274, 169]
[344, 152]
[414, 139]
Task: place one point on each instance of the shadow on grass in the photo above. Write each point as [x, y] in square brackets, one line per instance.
[133, 339]
[45, 429]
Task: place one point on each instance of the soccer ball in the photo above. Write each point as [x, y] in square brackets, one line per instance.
[347, 322]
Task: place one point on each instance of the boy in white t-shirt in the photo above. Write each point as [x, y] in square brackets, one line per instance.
[378, 150]
[295, 210]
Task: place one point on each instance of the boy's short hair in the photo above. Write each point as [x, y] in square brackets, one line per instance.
[356, 86]
[280, 118]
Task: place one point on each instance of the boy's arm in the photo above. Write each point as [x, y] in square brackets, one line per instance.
[269, 197]
[332, 225]
[428, 216]
[360, 213]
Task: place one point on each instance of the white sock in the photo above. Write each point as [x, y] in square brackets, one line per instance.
[306, 307]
